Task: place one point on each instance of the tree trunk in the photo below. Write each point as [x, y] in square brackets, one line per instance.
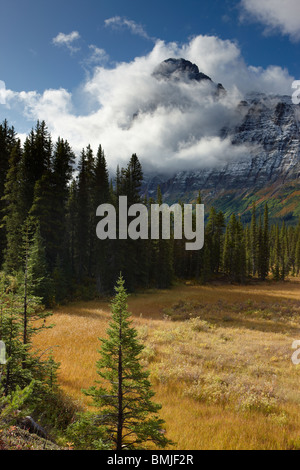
[120, 399]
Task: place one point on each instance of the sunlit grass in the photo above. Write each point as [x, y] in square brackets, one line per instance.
[222, 371]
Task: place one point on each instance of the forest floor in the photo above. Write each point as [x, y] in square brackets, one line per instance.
[220, 358]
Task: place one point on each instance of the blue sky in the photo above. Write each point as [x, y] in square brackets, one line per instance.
[58, 57]
[29, 60]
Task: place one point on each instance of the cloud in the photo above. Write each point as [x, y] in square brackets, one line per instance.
[118, 22]
[276, 15]
[97, 56]
[170, 125]
[2, 92]
[6, 95]
[67, 40]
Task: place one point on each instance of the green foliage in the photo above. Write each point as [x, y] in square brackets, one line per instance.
[234, 254]
[7, 143]
[126, 409]
[12, 405]
[20, 320]
[87, 433]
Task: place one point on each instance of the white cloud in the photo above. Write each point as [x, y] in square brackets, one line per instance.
[6, 95]
[277, 15]
[97, 56]
[118, 22]
[67, 40]
[2, 92]
[170, 125]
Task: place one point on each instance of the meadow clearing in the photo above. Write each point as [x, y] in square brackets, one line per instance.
[219, 357]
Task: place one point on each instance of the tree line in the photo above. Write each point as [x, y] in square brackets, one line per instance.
[48, 211]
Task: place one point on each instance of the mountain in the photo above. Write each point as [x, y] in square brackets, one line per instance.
[269, 171]
[182, 70]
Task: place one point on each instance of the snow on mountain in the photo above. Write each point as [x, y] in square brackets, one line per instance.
[269, 128]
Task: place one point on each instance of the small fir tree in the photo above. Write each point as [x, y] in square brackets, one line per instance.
[127, 411]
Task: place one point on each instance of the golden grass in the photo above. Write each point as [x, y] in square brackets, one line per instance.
[222, 371]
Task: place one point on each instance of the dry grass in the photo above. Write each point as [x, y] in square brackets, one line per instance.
[222, 370]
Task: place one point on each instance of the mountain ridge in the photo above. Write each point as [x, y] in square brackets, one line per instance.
[268, 172]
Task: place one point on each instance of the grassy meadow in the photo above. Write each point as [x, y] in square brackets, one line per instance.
[219, 357]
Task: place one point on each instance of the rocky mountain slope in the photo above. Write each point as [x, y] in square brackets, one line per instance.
[268, 172]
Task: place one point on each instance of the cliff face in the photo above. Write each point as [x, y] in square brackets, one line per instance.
[268, 172]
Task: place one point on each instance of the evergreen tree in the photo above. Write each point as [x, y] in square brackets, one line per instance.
[213, 237]
[253, 240]
[41, 213]
[276, 255]
[62, 169]
[198, 255]
[21, 318]
[265, 252]
[85, 231]
[7, 143]
[71, 228]
[206, 267]
[11, 332]
[14, 213]
[129, 253]
[36, 269]
[126, 407]
[234, 253]
[163, 255]
[36, 159]
[297, 249]
[102, 248]
[260, 249]
[284, 268]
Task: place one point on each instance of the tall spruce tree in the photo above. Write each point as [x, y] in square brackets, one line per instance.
[102, 248]
[62, 170]
[71, 228]
[130, 253]
[36, 159]
[85, 230]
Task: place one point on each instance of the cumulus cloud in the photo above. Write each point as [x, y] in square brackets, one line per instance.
[67, 40]
[118, 22]
[171, 125]
[277, 15]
